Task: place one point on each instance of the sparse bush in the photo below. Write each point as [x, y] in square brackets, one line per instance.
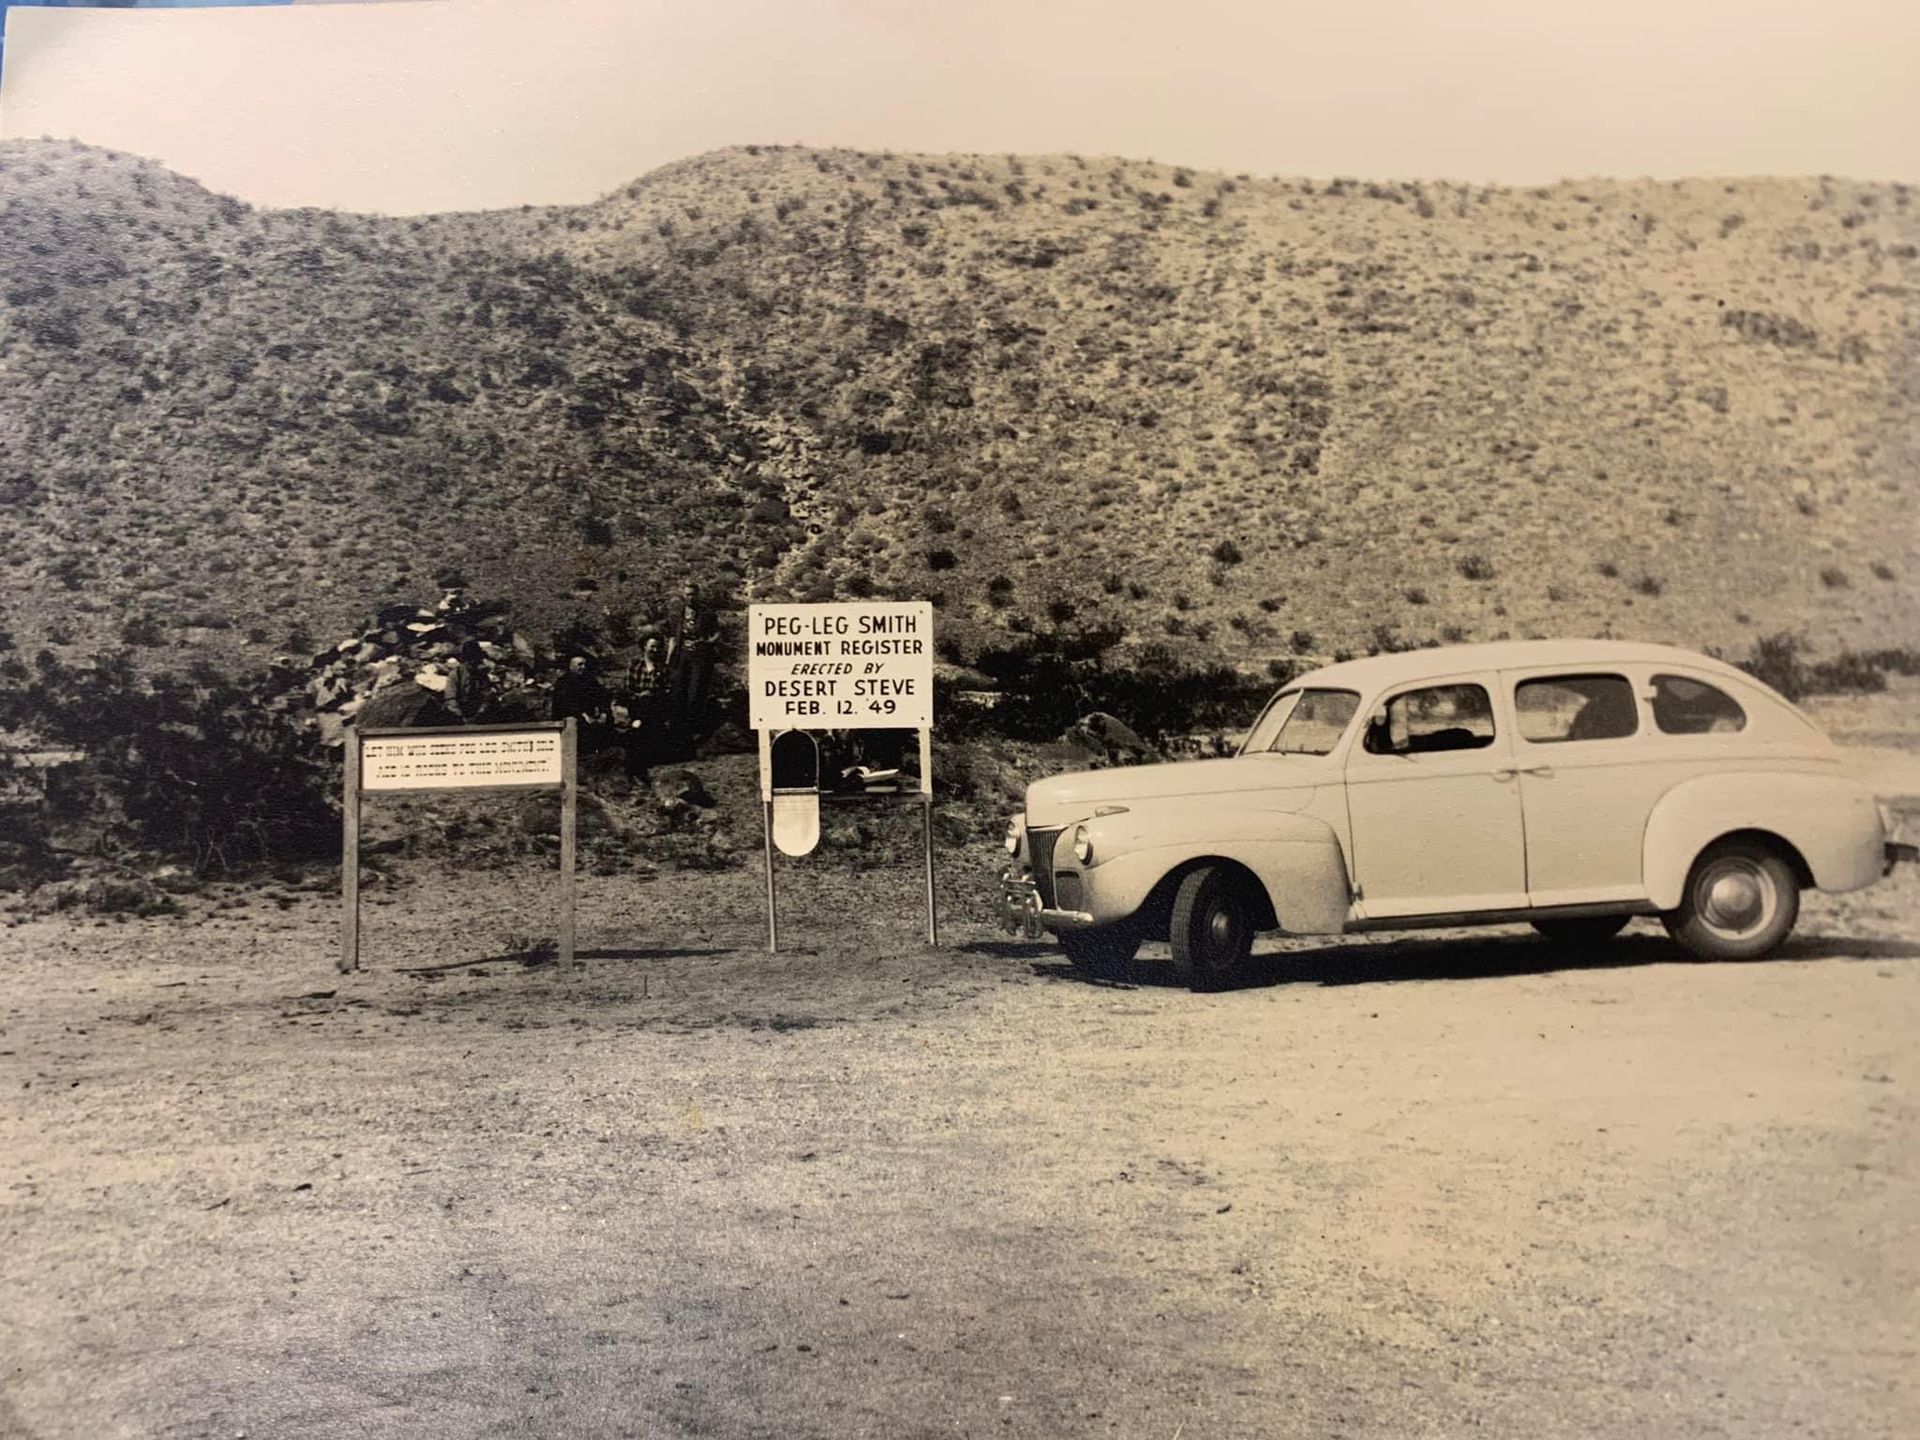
[1834, 578]
[1475, 567]
[1227, 553]
[196, 769]
[143, 629]
[1776, 660]
[1051, 679]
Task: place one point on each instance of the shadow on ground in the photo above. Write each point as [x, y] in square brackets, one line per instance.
[547, 957]
[1479, 958]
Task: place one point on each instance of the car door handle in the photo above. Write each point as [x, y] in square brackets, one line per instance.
[1508, 772]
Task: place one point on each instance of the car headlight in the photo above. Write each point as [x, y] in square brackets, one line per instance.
[1012, 841]
[1082, 845]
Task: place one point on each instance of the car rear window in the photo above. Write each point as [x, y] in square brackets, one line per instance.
[1554, 708]
[1683, 705]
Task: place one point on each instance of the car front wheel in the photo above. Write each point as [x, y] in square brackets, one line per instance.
[1740, 902]
[1106, 947]
[1212, 931]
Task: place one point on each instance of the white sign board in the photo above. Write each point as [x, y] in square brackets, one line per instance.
[861, 666]
[460, 762]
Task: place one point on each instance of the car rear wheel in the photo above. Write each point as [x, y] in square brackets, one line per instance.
[1740, 902]
[1577, 934]
[1106, 947]
[1212, 931]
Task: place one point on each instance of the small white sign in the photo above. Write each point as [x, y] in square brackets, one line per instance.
[862, 666]
[460, 762]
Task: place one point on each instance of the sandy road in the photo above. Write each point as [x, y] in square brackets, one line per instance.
[1407, 1189]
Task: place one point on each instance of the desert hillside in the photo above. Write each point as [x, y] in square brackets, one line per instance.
[1246, 416]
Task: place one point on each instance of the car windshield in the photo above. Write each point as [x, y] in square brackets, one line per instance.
[1302, 722]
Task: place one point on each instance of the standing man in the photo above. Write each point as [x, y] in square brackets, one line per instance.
[645, 691]
[690, 664]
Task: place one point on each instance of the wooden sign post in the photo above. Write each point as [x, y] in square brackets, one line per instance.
[536, 756]
[861, 666]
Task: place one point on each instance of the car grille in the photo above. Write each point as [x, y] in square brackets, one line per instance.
[1040, 844]
[1067, 886]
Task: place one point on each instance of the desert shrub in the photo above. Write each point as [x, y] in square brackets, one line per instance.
[143, 629]
[1849, 672]
[200, 769]
[1834, 578]
[1227, 553]
[1052, 678]
[1475, 567]
[1901, 661]
[1776, 661]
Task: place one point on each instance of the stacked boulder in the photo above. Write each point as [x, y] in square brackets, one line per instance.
[396, 671]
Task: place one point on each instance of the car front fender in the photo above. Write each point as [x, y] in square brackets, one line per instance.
[1833, 823]
[1296, 859]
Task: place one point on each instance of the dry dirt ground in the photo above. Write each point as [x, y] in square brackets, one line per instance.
[1427, 1186]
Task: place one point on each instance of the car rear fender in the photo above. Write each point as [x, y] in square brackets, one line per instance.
[1829, 826]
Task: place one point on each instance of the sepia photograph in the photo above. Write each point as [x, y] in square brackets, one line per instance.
[826, 718]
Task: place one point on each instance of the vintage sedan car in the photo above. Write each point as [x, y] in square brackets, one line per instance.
[1566, 784]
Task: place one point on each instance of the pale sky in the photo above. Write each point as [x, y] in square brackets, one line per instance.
[468, 104]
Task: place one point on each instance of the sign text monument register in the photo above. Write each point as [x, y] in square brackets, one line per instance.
[857, 666]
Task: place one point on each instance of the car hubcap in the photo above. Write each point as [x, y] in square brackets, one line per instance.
[1220, 929]
[1736, 897]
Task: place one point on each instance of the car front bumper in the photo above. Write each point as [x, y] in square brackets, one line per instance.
[1022, 913]
[1899, 852]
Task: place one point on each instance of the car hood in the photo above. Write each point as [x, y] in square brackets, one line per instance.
[1061, 799]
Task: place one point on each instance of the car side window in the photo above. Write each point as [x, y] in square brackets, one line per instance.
[1554, 708]
[1683, 705]
[1438, 718]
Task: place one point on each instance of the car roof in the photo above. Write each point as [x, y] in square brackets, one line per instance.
[1379, 671]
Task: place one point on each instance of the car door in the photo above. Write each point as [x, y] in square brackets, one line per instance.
[1434, 805]
[1588, 778]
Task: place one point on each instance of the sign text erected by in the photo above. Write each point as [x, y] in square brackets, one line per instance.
[473, 760]
[857, 666]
